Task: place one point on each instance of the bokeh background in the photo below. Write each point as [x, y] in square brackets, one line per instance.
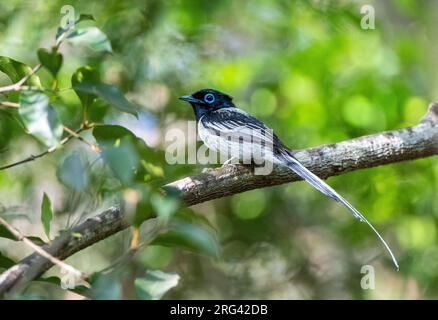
[307, 69]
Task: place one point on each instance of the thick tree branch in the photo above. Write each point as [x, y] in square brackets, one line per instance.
[326, 160]
[69, 242]
[20, 237]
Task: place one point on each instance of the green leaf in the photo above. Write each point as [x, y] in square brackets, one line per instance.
[60, 33]
[154, 171]
[85, 17]
[164, 206]
[16, 71]
[108, 93]
[51, 60]
[40, 118]
[73, 172]
[191, 236]
[104, 287]
[36, 240]
[46, 214]
[118, 151]
[122, 158]
[77, 235]
[92, 37]
[155, 284]
[113, 135]
[52, 280]
[6, 262]
[85, 75]
[5, 233]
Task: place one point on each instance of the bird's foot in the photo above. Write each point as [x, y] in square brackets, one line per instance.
[232, 161]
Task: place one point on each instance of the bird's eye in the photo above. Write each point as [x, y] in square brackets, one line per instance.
[209, 98]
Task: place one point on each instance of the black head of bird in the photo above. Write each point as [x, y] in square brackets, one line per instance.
[207, 100]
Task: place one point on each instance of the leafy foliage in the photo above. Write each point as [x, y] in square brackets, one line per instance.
[40, 117]
[52, 60]
[86, 76]
[73, 172]
[46, 214]
[306, 68]
[108, 93]
[16, 70]
[6, 262]
[155, 284]
[92, 37]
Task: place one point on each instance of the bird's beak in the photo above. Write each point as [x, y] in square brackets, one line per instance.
[191, 99]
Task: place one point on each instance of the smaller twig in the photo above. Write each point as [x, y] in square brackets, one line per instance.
[20, 237]
[9, 104]
[34, 157]
[17, 86]
[93, 146]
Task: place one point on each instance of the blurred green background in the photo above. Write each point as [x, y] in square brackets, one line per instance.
[307, 69]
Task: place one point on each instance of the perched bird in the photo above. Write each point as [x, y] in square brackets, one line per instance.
[219, 119]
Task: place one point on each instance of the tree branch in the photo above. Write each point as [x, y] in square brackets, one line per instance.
[36, 248]
[9, 104]
[326, 160]
[32, 157]
[18, 85]
[69, 242]
[75, 134]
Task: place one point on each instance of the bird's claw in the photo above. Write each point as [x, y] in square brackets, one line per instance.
[229, 162]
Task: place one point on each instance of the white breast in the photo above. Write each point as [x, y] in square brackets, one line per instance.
[241, 143]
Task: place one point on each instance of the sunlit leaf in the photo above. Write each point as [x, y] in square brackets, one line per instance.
[73, 172]
[122, 159]
[91, 37]
[46, 214]
[16, 71]
[77, 235]
[51, 60]
[40, 118]
[115, 139]
[152, 170]
[155, 284]
[108, 93]
[85, 75]
[119, 154]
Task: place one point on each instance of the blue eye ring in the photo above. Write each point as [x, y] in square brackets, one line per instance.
[209, 98]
